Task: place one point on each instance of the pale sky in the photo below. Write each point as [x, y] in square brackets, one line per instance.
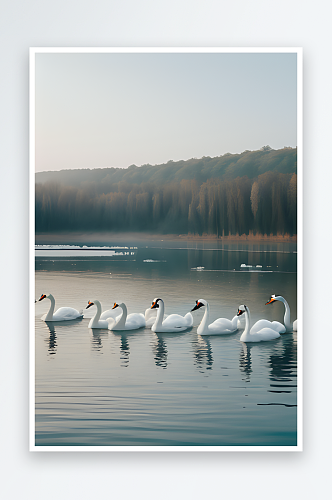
[114, 110]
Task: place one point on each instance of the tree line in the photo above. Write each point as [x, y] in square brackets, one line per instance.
[227, 166]
[266, 204]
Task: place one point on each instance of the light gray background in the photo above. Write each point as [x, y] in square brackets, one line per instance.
[27, 23]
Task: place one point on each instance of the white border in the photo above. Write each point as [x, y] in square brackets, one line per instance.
[163, 50]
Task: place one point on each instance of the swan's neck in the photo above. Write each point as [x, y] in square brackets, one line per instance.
[287, 322]
[94, 321]
[234, 322]
[122, 321]
[203, 326]
[247, 318]
[160, 315]
[49, 315]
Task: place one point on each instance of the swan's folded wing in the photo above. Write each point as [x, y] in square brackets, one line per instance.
[259, 325]
[224, 322]
[110, 313]
[176, 320]
[279, 327]
[135, 320]
[267, 334]
[189, 318]
[66, 313]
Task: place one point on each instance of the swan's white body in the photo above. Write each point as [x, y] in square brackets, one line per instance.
[62, 314]
[126, 321]
[262, 330]
[290, 327]
[172, 323]
[221, 326]
[98, 321]
[110, 313]
[150, 316]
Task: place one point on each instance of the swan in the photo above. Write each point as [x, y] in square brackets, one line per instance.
[220, 326]
[110, 313]
[131, 321]
[260, 331]
[62, 314]
[172, 323]
[150, 316]
[289, 326]
[96, 321]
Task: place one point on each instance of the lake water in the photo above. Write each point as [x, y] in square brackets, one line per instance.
[103, 388]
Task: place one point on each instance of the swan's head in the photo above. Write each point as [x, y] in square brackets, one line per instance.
[43, 296]
[273, 298]
[155, 304]
[199, 303]
[115, 305]
[89, 304]
[242, 309]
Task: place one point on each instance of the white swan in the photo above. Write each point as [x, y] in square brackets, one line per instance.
[172, 323]
[262, 329]
[126, 321]
[62, 314]
[289, 326]
[220, 326]
[150, 316]
[97, 321]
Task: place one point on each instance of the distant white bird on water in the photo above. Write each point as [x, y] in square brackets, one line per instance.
[221, 326]
[62, 314]
[126, 321]
[98, 321]
[262, 330]
[290, 327]
[172, 323]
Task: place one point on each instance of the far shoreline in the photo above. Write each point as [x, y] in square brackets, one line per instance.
[72, 237]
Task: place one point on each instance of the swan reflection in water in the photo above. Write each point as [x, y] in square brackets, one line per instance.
[124, 351]
[202, 353]
[51, 341]
[97, 335]
[124, 346]
[281, 360]
[245, 361]
[159, 348]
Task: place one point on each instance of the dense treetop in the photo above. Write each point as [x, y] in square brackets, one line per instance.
[225, 167]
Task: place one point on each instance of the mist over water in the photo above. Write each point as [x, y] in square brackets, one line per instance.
[103, 388]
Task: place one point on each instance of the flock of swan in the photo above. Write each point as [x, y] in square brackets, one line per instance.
[156, 319]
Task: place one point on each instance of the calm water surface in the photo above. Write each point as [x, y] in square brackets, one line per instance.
[99, 388]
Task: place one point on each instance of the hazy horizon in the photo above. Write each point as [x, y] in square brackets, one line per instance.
[155, 165]
[114, 110]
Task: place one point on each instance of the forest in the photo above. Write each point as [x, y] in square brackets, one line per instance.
[218, 205]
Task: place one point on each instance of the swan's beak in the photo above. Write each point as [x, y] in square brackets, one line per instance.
[154, 305]
[89, 304]
[197, 306]
[239, 312]
[42, 297]
[270, 301]
[115, 305]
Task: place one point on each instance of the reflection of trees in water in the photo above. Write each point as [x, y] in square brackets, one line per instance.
[51, 341]
[124, 351]
[245, 362]
[202, 353]
[160, 351]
